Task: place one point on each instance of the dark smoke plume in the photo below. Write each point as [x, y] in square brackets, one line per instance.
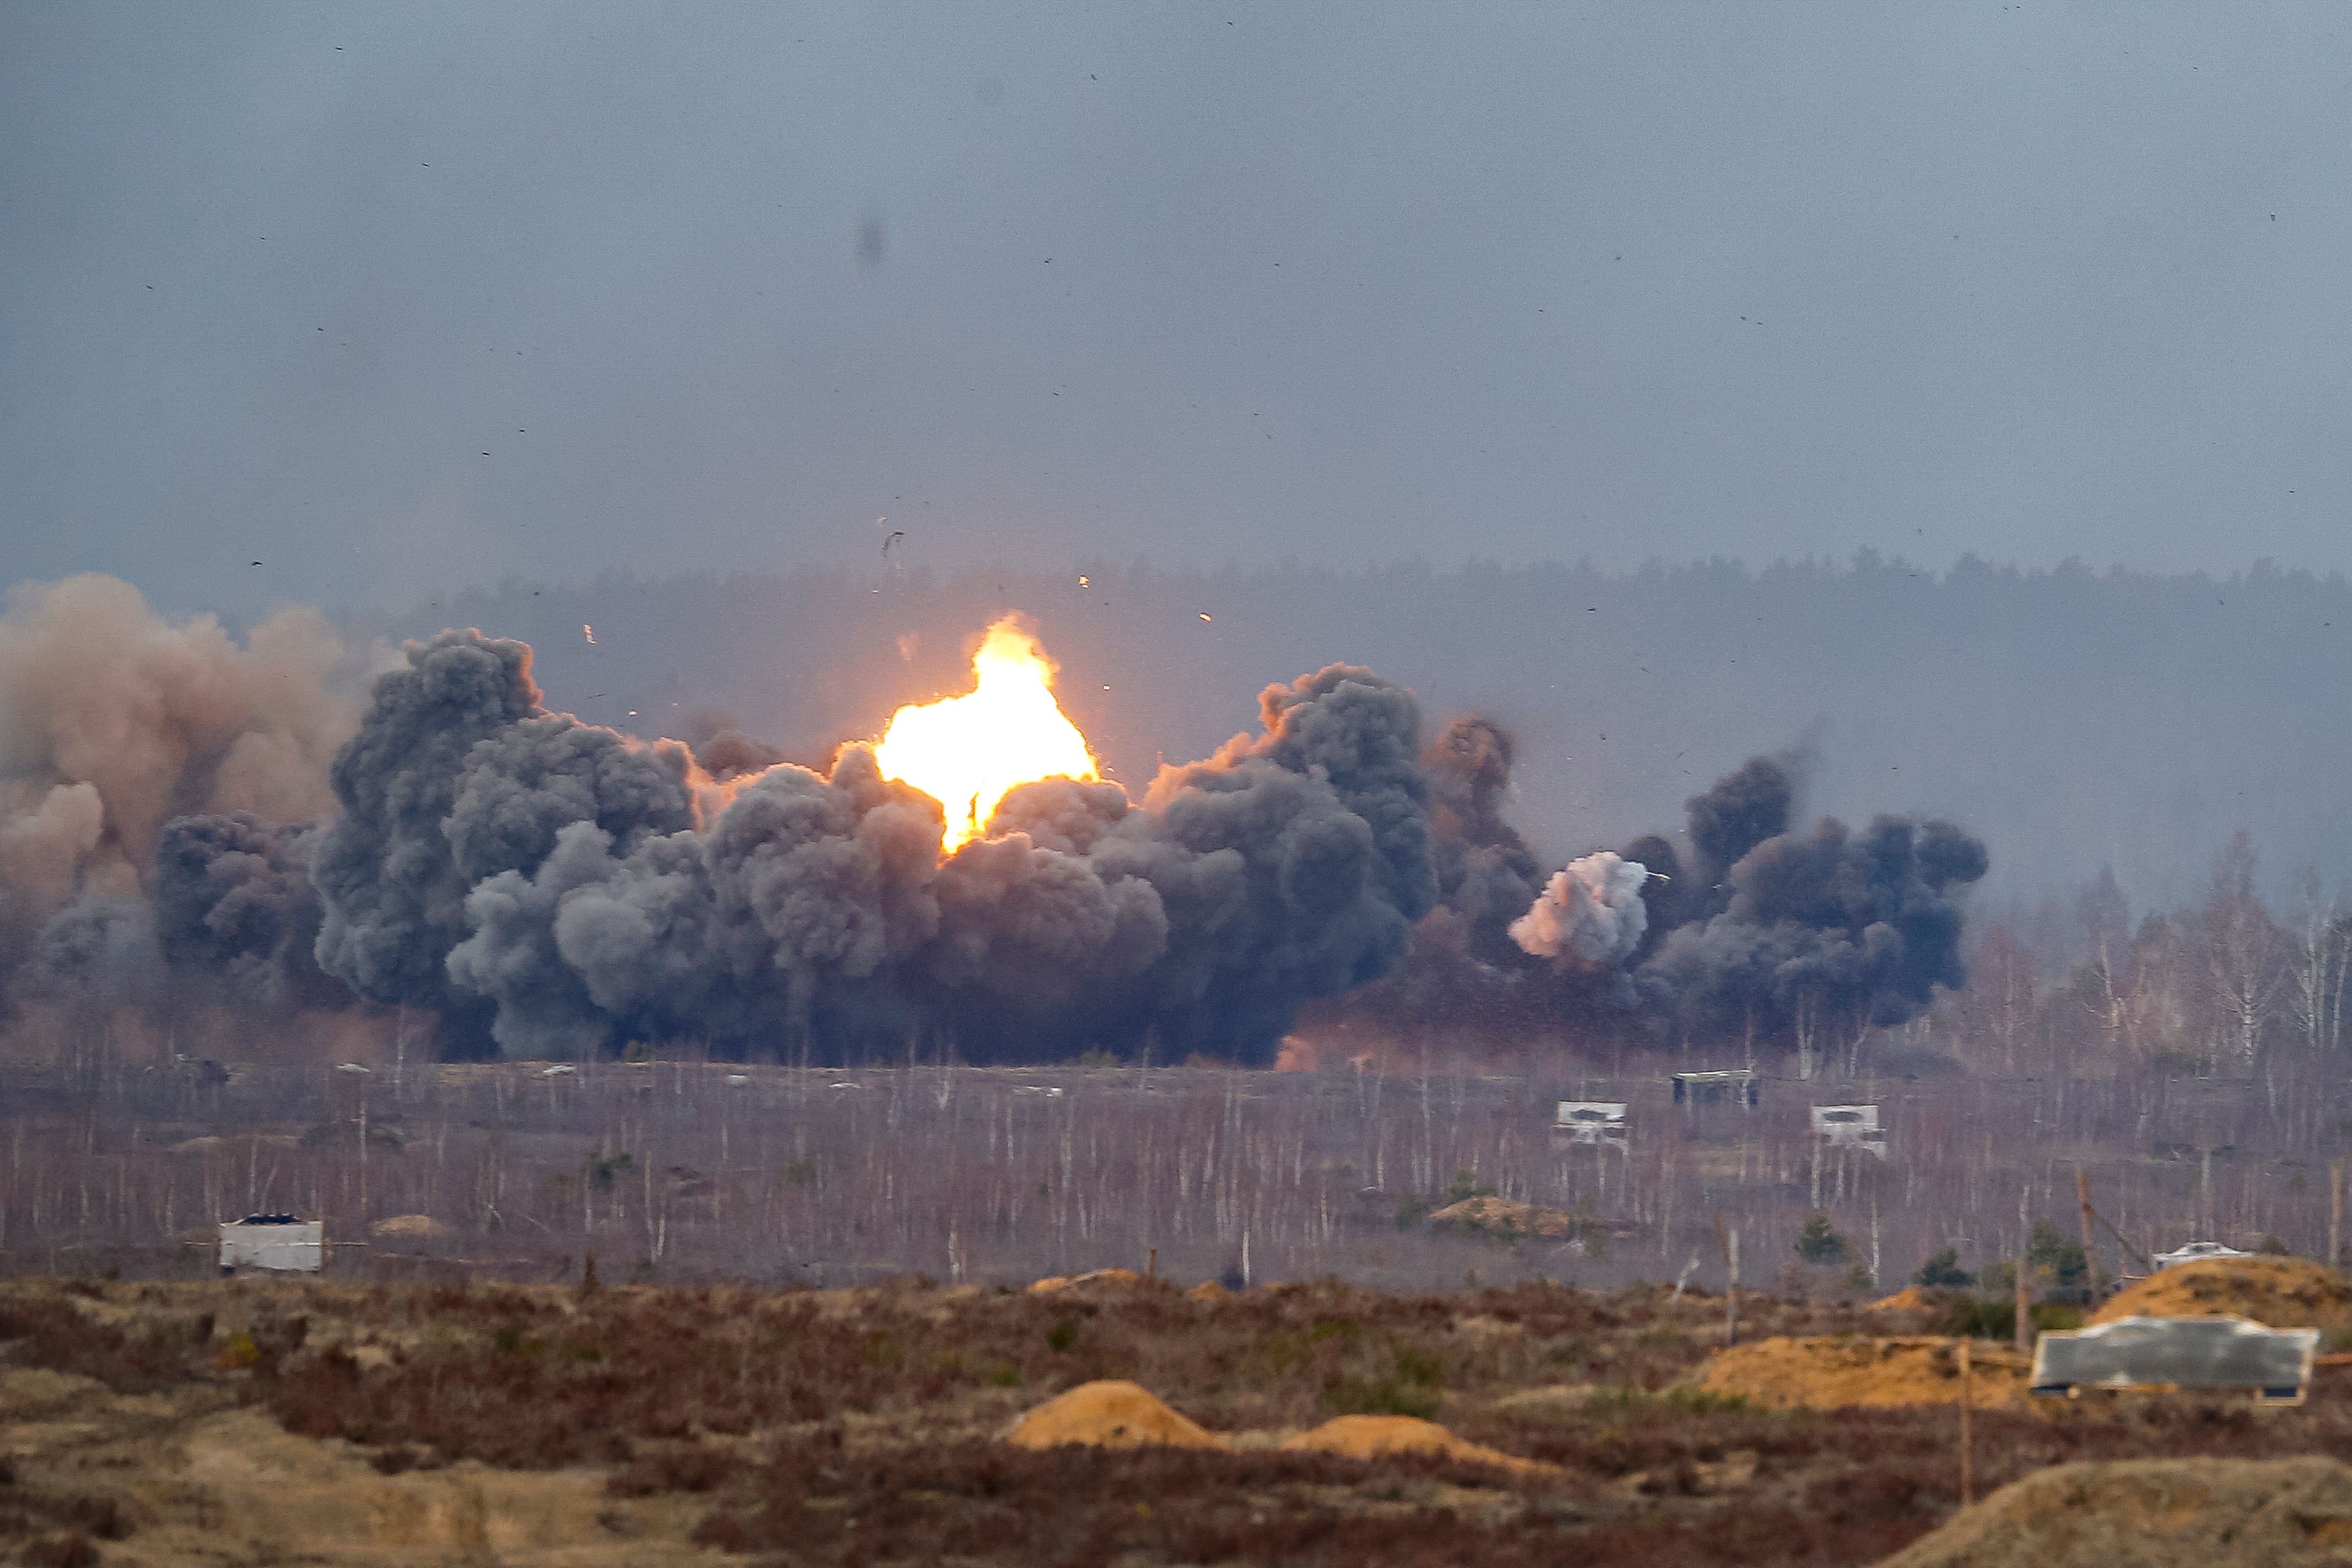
[1755, 930]
[1486, 875]
[1739, 812]
[583, 888]
[394, 897]
[1826, 929]
[178, 809]
[233, 897]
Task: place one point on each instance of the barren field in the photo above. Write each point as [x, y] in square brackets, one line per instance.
[264, 1421]
[680, 1170]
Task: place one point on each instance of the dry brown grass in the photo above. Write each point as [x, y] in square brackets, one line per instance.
[864, 1428]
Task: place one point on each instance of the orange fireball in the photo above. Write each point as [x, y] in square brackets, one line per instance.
[966, 752]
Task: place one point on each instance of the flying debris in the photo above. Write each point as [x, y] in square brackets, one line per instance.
[589, 632]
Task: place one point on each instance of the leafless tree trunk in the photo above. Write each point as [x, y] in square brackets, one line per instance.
[2242, 960]
[2318, 970]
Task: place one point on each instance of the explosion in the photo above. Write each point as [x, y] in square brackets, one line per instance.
[966, 752]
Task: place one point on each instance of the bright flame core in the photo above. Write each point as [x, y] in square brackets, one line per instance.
[966, 752]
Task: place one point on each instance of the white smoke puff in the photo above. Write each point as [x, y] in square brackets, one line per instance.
[1591, 910]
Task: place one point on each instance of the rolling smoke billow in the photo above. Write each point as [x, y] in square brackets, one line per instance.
[180, 816]
[568, 888]
[1782, 936]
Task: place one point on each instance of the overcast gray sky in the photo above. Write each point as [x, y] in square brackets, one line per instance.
[395, 297]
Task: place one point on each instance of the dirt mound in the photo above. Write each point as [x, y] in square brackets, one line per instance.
[1826, 1374]
[2282, 1293]
[1502, 1214]
[1208, 1290]
[1370, 1437]
[1053, 1282]
[1109, 1414]
[410, 1224]
[1910, 1298]
[2155, 1513]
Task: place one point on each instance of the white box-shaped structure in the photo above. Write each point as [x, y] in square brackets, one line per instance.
[1592, 1121]
[2178, 1353]
[273, 1241]
[1851, 1127]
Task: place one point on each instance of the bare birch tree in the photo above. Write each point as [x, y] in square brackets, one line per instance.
[2244, 966]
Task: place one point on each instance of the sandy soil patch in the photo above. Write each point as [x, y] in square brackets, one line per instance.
[2282, 1292]
[1828, 1373]
[1111, 1414]
[2154, 1513]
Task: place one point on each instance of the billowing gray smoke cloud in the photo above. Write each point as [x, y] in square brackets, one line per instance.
[583, 888]
[114, 721]
[1757, 930]
[551, 888]
[454, 793]
[1828, 929]
[1738, 812]
[392, 895]
[233, 897]
[1486, 874]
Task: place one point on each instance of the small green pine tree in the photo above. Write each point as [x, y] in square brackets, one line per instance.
[1943, 1270]
[1820, 1245]
[2061, 1262]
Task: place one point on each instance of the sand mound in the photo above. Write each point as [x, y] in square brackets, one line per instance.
[1502, 1214]
[1053, 1282]
[2282, 1292]
[410, 1224]
[1110, 1414]
[1826, 1374]
[1910, 1298]
[1370, 1437]
[2156, 1513]
[1208, 1290]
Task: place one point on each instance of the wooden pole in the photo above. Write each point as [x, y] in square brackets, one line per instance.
[1967, 1449]
[2335, 1213]
[1731, 1296]
[1729, 1241]
[2090, 1239]
[2024, 1271]
[1152, 1268]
